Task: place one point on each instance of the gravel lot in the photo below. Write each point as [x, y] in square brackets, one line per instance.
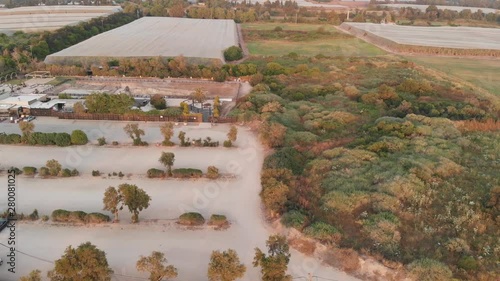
[188, 250]
[157, 36]
[443, 36]
[45, 18]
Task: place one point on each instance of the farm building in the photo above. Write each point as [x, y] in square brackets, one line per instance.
[199, 40]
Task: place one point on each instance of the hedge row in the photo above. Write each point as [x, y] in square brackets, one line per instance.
[196, 219]
[187, 173]
[77, 137]
[78, 217]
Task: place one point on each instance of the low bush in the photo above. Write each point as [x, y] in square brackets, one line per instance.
[60, 215]
[101, 141]
[44, 172]
[294, 219]
[79, 137]
[192, 219]
[323, 232]
[120, 174]
[62, 139]
[218, 220]
[45, 218]
[29, 171]
[96, 218]
[156, 173]
[212, 172]
[75, 173]
[34, 216]
[65, 173]
[16, 170]
[96, 173]
[187, 173]
[228, 143]
[115, 143]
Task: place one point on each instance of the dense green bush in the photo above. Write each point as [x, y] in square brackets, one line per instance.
[44, 172]
[34, 216]
[159, 102]
[16, 170]
[294, 219]
[156, 173]
[29, 171]
[323, 232]
[60, 215]
[218, 220]
[10, 138]
[96, 173]
[78, 137]
[62, 139]
[101, 141]
[96, 218]
[65, 173]
[187, 173]
[228, 143]
[192, 219]
[286, 158]
[233, 53]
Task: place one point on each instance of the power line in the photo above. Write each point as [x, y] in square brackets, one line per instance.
[42, 259]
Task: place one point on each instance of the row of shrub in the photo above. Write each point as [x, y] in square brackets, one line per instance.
[77, 137]
[96, 173]
[54, 171]
[61, 215]
[184, 173]
[196, 219]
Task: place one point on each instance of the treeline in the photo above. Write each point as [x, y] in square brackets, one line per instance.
[23, 3]
[466, 3]
[287, 11]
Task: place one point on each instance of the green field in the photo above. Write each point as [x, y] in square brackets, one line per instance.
[336, 44]
[481, 72]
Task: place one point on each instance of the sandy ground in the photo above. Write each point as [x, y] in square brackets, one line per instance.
[168, 87]
[188, 250]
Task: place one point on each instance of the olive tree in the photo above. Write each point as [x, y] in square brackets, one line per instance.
[86, 262]
[225, 266]
[35, 275]
[111, 201]
[134, 133]
[167, 159]
[167, 130]
[134, 198]
[156, 265]
[275, 264]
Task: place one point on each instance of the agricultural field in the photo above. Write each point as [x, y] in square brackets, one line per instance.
[47, 18]
[483, 73]
[155, 37]
[442, 37]
[309, 40]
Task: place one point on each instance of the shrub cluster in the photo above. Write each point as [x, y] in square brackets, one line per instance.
[156, 173]
[61, 215]
[218, 220]
[191, 219]
[187, 173]
[77, 137]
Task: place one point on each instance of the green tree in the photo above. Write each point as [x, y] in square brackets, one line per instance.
[156, 265]
[167, 159]
[34, 275]
[111, 201]
[78, 108]
[54, 167]
[167, 130]
[134, 133]
[185, 108]
[79, 137]
[275, 264]
[86, 262]
[225, 266]
[233, 53]
[27, 129]
[159, 102]
[232, 135]
[134, 198]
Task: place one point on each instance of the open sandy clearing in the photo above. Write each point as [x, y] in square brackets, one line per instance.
[188, 250]
[442, 36]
